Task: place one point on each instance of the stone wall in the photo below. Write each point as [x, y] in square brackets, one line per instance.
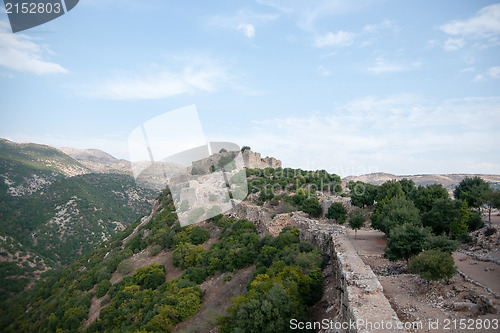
[359, 294]
[254, 161]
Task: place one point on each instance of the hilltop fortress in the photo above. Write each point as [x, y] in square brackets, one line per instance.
[251, 160]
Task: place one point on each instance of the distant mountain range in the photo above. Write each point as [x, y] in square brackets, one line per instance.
[449, 181]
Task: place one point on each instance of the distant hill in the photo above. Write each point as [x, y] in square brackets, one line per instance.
[53, 207]
[153, 176]
[449, 181]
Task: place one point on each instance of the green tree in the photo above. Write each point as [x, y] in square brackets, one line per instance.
[337, 212]
[404, 242]
[443, 213]
[245, 148]
[362, 194]
[433, 265]
[312, 207]
[356, 221]
[492, 200]
[151, 276]
[441, 243]
[389, 190]
[425, 196]
[394, 212]
[102, 288]
[472, 190]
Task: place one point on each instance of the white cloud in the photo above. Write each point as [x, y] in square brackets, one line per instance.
[375, 28]
[324, 71]
[248, 29]
[238, 21]
[453, 44]
[479, 78]
[306, 12]
[402, 134]
[494, 72]
[383, 66]
[486, 23]
[20, 53]
[195, 74]
[341, 38]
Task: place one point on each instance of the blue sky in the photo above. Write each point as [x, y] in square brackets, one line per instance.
[353, 87]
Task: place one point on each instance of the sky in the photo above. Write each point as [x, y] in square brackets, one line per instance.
[353, 87]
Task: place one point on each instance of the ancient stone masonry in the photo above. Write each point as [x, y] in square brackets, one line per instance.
[250, 159]
[254, 161]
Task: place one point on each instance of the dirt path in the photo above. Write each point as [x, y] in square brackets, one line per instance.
[421, 305]
[486, 273]
[368, 241]
[217, 297]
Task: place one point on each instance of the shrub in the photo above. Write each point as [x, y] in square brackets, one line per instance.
[433, 265]
[125, 267]
[150, 277]
[102, 288]
[337, 212]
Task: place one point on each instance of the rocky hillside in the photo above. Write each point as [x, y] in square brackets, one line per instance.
[53, 208]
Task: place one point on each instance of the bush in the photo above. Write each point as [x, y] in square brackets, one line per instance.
[102, 288]
[337, 212]
[433, 265]
[441, 243]
[150, 277]
[312, 207]
[155, 249]
[125, 267]
[405, 242]
[199, 235]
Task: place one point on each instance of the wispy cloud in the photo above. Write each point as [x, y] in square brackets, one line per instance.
[340, 38]
[382, 65]
[244, 20]
[403, 134]
[305, 13]
[375, 28]
[485, 24]
[21, 53]
[494, 72]
[248, 29]
[453, 44]
[491, 73]
[189, 75]
[323, 71]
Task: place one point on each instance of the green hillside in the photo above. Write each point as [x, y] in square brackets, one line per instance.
[136, 294]
[52, 210]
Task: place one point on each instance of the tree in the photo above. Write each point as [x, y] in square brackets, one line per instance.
[245, 148]
[472, 190]
[389, 190]
[362, 194]
[394, 212]
[441, 243]
[312, 207]
[356, 221]
[433, 265]
[337, 212]
[425, 196]
[404, 242]
[151, 276]
[442, 214]
[492, 200]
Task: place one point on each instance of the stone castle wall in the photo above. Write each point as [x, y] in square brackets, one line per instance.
[255, 161]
